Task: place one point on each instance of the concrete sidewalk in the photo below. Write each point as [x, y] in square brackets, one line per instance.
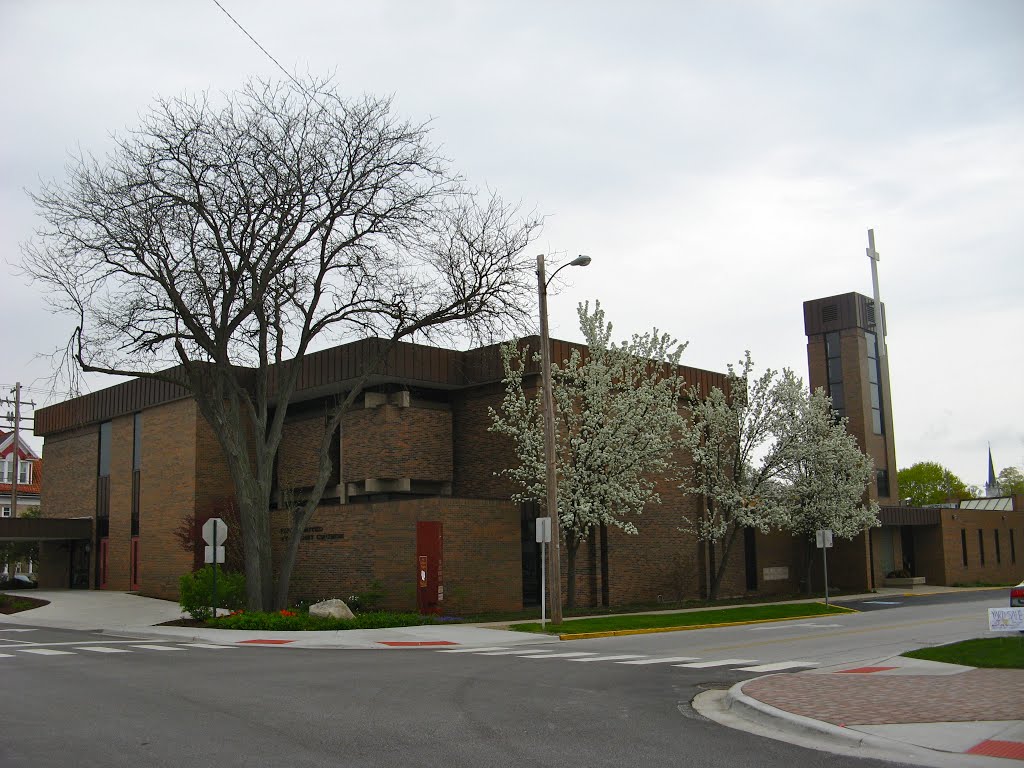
[895, 708]
[126, 615]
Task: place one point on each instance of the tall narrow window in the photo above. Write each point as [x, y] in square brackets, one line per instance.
[874, 390]
[981, 546]
[835, 373]
[882, 480]
[136, 471]
[1013, 549]
[999, 555]
[963, 545]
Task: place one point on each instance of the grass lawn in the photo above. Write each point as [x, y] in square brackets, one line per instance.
[687, 619]
[1000, 652]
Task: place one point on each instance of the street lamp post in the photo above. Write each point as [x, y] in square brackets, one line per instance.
[551, 483]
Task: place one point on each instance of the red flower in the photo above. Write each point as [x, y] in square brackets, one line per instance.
[285, 612]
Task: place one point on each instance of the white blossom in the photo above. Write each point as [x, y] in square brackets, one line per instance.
[617, 423]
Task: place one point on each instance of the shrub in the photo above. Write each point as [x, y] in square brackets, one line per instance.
[196, 591]
[367, 600]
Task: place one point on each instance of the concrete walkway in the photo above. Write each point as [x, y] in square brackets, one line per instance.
[125, 614]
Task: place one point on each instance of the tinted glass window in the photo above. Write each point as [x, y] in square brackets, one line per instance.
[105, 437]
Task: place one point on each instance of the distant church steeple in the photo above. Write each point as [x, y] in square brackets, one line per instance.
[991, 485]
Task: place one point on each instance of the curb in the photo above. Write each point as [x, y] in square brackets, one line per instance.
[753, 709]
[689, 627]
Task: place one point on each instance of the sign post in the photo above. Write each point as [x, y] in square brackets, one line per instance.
[215, 533]
[824, 540]
[543, 537]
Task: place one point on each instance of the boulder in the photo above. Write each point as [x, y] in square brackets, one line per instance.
[331, 609]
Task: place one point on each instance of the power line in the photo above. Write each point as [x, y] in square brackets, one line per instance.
[257, 44]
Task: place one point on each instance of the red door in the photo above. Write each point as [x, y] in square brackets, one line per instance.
[102, 556]
[429, 576]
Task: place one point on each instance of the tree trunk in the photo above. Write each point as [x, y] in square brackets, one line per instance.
[719, 572]
[809, 570]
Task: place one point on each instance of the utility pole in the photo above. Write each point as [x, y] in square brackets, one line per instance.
[17, 443]
[16, 418]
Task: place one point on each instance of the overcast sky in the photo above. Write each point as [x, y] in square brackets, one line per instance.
[720, 161]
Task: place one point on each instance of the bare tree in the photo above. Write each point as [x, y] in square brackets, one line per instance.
[219, 241]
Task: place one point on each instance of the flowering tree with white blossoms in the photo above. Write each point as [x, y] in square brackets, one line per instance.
[826, 478]
[741, 442]
[617, 422]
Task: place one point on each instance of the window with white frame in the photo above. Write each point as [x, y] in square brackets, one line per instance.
[24, 471]
[5, 511]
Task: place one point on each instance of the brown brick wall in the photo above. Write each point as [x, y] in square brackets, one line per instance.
[988, 521]
[477, 453]
[389, 441]
[779, 550]
[298, 458]
[69, 483]
[168, 484]
[481, 552]
[120, 530]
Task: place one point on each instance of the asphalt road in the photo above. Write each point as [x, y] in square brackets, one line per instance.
[146, 703]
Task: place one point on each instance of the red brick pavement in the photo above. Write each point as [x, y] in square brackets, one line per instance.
[980, 694]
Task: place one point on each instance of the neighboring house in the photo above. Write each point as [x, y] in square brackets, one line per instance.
[30, 468]
[30, 472]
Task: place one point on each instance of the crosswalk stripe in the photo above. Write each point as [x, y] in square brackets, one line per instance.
[18, 630]
[160, 647]
[611, 658]
[45, 651]
[668, 660]
[211, 646]
[475, 650]
[515, 651]
[6, 655]
[567, 655]
[719, 663]
[779, 665]
[102, 649]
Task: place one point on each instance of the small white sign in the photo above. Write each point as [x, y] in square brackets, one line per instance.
[222, 531]
[543, 530]
[775, 573]
[1006, 619]
[824, 538]
[209, 553]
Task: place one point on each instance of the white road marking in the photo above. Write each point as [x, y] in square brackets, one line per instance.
[792, 626]
[6, 655]
[102, 649]
[882, 602]
[475, 650]
[160, 647]
[719, 663]
[46, 651]
[778, 665]
[513, 652]
[667, 660]
[568, 655]
[612, 658]
[210, 646]
[18, 630]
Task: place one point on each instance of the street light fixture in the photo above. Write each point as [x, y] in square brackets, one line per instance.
[551, 484]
